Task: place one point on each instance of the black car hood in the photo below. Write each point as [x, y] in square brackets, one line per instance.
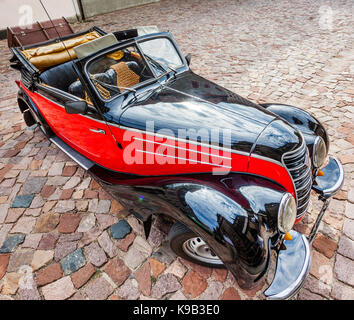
[217, 116]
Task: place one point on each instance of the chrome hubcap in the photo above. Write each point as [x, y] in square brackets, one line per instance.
[199, 250]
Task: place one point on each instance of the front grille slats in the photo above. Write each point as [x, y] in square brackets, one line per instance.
[304, 189]
[298, 164]
[304, 196]
[300, 178]
[303, 207]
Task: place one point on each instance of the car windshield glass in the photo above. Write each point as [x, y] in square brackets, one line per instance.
[118, 71]
[161, 55]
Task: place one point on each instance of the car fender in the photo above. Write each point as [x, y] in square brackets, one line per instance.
[25, 102]
[238, 225]
[302, 120]
[235, 214]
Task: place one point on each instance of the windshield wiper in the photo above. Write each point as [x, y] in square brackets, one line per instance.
[159, 65]
[111, 86]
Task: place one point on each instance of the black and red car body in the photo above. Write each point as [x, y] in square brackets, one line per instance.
[233, 200]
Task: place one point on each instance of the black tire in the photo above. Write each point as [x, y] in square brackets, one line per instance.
[29, 120]
[177, 236]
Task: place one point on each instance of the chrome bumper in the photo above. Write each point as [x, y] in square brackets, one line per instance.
[293, 264]
[330, 183]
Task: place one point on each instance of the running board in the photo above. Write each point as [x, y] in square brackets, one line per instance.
[73, 154]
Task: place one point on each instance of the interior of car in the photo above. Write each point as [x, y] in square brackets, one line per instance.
[117, 71]
[110, 73]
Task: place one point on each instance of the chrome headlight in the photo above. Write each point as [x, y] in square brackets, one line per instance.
[319, 152]
[286, 213]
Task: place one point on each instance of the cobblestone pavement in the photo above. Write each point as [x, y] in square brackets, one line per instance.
[63, 237]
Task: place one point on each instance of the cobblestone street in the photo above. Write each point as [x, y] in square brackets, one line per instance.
[63, 237]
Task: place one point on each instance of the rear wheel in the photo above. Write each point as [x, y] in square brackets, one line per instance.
[27, 116]
[188, 245]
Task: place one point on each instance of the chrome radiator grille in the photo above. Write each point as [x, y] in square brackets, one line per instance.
[299, 166]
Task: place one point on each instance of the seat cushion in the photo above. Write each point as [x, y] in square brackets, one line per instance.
[121, 75]
[60, 76]
[109, 77]
[126, 76]
[77, 89]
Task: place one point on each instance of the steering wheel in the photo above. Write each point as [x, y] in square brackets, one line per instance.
[142, 73]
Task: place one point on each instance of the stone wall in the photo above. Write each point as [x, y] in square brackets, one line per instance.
[19, 12]
[96, 7]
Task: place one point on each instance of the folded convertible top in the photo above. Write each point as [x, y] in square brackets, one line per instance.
[49, 55]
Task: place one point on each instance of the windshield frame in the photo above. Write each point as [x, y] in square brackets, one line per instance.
[135, 41]
[169, 37]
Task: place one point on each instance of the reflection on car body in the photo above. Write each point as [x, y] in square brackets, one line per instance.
[234, 176]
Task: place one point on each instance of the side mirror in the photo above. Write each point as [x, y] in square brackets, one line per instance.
[76, 107]
[188, 57]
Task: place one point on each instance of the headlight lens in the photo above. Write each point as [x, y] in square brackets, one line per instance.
[287, 213]
[319, 152]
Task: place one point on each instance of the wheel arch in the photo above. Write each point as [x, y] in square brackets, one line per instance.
[25, 103]
[232, 223]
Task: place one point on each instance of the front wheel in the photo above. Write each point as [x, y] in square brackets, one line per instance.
[188, 245]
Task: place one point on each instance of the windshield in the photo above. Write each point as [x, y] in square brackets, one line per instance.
[118, 71]
[126, 68]
[161, 55]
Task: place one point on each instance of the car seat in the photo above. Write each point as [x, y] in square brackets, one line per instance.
[124, 74]
[60, 76]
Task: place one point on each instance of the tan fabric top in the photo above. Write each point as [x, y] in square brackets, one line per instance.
[85, 49]
[53, 54]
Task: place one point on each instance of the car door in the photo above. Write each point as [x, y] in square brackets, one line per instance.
[124, 65]
[88, 134]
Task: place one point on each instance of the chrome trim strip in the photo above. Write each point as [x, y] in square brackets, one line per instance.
[247, 154]
[184, 140]
[181, 148]
[169, 156]
[295, 155]
[267, 159]
[303, 208]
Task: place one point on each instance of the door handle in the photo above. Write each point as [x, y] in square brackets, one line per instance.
[98, 131]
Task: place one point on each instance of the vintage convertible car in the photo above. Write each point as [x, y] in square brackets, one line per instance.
[234, 176]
